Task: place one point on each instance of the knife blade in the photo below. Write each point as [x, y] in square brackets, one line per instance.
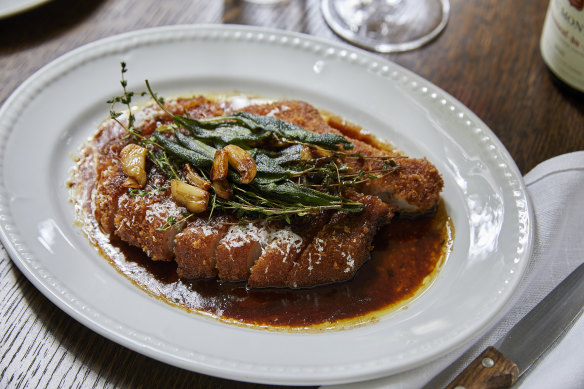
[500, 365]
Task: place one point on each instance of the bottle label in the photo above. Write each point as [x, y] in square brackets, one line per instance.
[562, 41]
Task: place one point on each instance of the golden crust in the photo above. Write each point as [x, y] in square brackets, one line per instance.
[239, 249]
[196, 246]
[106, 194]
[281, 254]
[143, 221]
[414, 189]
[265, 254]
[341, 247]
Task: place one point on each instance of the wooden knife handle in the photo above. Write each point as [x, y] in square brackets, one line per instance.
[490, 370]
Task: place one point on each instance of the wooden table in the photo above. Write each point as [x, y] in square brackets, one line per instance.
[488, 58]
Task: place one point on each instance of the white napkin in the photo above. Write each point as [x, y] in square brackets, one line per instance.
[556, 188]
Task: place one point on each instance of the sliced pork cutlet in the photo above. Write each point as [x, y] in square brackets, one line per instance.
[240, 248]
[296, 112]
[112, 137]
[196, 246]
[341, 247]
[106, 146]
[414, 187]
[143, 220]
[286, 245]
[106, 194]
[109, 140]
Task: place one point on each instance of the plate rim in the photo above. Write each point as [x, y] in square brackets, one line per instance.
[15, 247]
[9, 10]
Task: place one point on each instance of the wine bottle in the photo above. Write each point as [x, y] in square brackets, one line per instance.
[562, 41]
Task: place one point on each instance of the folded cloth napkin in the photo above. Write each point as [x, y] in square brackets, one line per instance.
[556, 189]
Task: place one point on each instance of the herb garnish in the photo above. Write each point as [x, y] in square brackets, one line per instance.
[287, 183]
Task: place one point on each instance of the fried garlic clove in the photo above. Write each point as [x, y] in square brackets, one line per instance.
[195, 179]
[222, 189]
[131, 183]
[240, 160]
[192, 198]
[220, 165]
[133, 159]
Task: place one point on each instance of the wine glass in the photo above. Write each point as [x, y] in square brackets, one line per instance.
[386, 26]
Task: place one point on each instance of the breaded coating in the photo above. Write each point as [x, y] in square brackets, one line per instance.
[341, 247]
[107, 144]
[197, 244]
[414, 188]
[145, 221]
[313, 250]
[239, 249]
[108, 190]
[286, 245]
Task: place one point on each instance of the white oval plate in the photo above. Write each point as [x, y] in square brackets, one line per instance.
[58, 108]
[14, 7]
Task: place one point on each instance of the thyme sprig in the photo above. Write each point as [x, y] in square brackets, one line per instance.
[148, 190]
[165, 164]
[125, 99]
[171, 221]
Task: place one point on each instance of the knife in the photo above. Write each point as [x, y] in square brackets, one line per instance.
[500, 365]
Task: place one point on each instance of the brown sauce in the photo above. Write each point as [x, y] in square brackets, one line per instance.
[407, 256]
[408, 252]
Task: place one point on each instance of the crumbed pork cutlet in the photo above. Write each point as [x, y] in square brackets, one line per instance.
[341, 247]
[319, 249]
[414, 188]
[278, 257]
[143, 221]
[112, 137]
[240, 248]
[107, 144]
[196, 246]
[108, 190]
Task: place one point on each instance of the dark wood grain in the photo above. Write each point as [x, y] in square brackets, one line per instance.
[490, 370]
[488, 58]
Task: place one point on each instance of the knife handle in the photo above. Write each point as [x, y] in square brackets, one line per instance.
[490, 370]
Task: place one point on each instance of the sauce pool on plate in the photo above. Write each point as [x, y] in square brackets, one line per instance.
[407, 255]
